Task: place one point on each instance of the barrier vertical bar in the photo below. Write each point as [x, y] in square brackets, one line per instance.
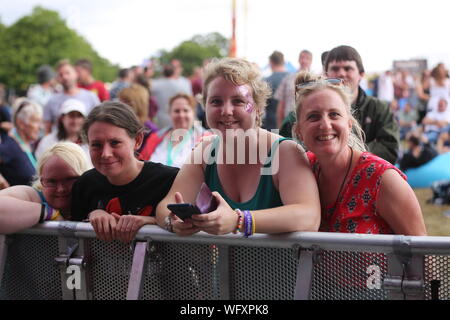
[405, 278]
[3, 254]
[224, 272]
[305, 272]
[137, 273]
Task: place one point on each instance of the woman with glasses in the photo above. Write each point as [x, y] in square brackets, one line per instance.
[119, 194]
[359, 192]
[17, 160]
[50, 196]
[261, 182]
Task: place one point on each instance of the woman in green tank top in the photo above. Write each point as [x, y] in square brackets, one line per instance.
[262, 182]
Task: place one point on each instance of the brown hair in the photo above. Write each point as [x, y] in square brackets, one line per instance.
[190, 99]
[344, 53]
[115, 113]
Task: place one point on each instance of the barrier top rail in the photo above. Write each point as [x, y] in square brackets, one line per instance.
[305, 240]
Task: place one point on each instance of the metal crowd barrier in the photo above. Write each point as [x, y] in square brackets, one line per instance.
[64, 260]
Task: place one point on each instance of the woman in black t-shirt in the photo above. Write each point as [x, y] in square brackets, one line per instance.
[119, 195]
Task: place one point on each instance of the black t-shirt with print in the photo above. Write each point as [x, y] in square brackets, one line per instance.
[139, 197]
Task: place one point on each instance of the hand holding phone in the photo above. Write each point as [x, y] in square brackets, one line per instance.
[183, 210]
[205, 203]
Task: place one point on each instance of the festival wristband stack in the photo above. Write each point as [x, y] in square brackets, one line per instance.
[46, 213]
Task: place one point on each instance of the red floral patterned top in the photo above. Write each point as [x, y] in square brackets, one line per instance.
[356, 209]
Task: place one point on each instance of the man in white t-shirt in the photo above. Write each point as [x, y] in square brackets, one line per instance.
[437, 121]
[386, 87]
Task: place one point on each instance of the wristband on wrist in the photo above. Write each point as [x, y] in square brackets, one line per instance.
[41, 217]
[248, 226]
[239, 221]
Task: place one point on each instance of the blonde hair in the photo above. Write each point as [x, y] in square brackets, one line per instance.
[70, 152]
[307, 83]
[137, 97]
[239, 72]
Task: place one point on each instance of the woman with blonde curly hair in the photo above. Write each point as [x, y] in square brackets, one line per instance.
[261, 181]
[359, 192]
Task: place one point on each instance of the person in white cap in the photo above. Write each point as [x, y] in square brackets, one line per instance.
[70, 120]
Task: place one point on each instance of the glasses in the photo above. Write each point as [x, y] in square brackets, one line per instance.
[333, 81]
[53, 183]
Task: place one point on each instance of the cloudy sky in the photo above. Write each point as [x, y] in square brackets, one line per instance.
[126, 32]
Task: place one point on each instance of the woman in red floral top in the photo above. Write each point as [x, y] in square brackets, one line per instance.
[358, 191]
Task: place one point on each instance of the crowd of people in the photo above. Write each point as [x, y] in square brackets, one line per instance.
[117, 155]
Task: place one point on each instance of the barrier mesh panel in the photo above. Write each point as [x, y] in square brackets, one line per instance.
[30, 270]
[110, 265]
[340, 275]
[262, 273]
[181, 271]
[437, 269]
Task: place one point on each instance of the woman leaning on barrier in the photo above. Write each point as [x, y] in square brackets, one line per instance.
[50, 196]
[359, 192]
[119, 194]
[261, 181]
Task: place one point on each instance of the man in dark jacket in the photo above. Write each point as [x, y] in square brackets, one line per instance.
[374, 115]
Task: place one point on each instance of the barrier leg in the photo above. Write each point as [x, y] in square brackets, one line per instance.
[74, 270]
[305, 274]
[405, 278]
[224, 272]
[3, 254]
[137, 273]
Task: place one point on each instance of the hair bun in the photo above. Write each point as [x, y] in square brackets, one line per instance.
[305, 77]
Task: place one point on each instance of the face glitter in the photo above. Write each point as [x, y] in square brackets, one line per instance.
[244, 90]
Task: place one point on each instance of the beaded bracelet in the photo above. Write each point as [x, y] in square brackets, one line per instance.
[248, 225]
[239, 221]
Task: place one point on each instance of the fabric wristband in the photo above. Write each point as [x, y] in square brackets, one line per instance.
[247, 223]
[49, 213]
[41, 217]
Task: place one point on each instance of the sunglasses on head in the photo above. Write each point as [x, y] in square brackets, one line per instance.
[333, 81]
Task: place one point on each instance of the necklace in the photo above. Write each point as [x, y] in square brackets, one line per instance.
[346, 175]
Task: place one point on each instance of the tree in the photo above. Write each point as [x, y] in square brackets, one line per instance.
[44, 38]
[193, 52]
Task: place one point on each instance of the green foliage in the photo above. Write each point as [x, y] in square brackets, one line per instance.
[193, 52]
[43, 38]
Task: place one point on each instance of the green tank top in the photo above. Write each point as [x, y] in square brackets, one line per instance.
[266, 195]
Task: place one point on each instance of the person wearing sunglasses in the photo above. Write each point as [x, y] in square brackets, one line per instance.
[359, 191]
[374, 116]
[49, 198]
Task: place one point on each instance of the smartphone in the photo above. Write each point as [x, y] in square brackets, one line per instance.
[183, 210]
[205, 200]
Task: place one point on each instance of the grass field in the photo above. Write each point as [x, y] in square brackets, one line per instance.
[437, 224]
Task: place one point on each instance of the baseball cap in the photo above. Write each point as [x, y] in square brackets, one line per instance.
[73, 105]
